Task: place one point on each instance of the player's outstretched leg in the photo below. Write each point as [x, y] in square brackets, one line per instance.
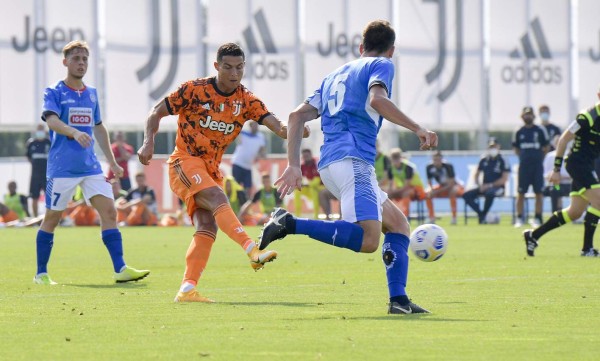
[275, 228]
[340, 234]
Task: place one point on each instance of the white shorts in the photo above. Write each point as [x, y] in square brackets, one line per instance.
[353, 182]
[59, 191]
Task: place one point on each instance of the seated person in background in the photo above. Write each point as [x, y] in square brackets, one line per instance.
[556, 192]
[16, 202]
[446, 187]
[235, 192]
[7, 215]
[81, 213]
[383, 169]
[495, 175]
[407, 182]
[267, 198]
[311, 184]
[139, 206]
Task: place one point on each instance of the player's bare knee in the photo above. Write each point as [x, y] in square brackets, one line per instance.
[370, 244]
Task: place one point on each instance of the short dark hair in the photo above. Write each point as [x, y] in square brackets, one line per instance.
[378, 36]
[230, 49]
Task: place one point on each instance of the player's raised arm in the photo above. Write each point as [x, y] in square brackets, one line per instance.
[292, 176]
[379, 101]
[152, 124]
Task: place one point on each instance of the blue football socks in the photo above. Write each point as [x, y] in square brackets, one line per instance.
[339, 233]
[395, 258]
[114, 243]
[44, 242]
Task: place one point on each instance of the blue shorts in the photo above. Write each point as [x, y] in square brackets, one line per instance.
[242, 175]
[531, 175]
[353, 182]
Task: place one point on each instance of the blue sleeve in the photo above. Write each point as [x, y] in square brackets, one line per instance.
[315, 100]
[382, 73]
[51, 103]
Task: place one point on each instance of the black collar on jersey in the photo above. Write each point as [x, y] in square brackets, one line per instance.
[213, 81]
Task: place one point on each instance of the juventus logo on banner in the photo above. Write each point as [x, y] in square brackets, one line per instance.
[145, 71]
[435, 73]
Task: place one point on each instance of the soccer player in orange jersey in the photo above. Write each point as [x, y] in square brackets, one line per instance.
[211, 114]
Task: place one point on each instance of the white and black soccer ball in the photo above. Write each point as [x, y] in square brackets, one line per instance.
[492, 218]
[429, 242]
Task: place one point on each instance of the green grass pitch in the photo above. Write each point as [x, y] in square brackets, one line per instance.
[315, 302]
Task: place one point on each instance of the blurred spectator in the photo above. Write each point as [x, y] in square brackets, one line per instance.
[552, 130]
[79, 212]
[407, 185]
[235, 193]
[249, 148]
[38, 148]
[447, 186]
[530, 144]
[266, 198]
[311, 184]
[138, 207]
[16, 202]
[495, 170]
[7, 215]
[123, 152]
[383, 169]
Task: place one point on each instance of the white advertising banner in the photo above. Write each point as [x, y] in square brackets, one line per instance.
[589, 53]
[529, 60]
[439, 51]
[32, 35]
[267, 31]
[151, 48]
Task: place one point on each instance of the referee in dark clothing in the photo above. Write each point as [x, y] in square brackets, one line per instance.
[585, 188]
[530, 144]
[38, 148]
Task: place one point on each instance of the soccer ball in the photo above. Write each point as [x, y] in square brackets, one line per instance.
[492, 218]
[429, 242]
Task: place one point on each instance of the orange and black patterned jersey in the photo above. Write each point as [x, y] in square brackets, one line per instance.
[210, 120]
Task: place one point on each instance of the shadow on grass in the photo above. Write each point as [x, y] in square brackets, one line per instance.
[135, 285]
[415, 317]
[288, 304]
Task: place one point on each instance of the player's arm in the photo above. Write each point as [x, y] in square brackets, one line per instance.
[152, 123]
[101, 135]
[379, 101]
[567, 136]
[60, 127]
[292, 176]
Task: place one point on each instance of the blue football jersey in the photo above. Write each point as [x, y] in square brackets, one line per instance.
[80, 110]
[349, 124]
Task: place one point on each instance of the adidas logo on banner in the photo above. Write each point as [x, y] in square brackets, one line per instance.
[263, 66]
[526, 43]
[265, 35]
[536, 65]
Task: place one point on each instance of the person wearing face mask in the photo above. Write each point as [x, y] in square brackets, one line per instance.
[530, 143]
[552, 130]
[38, 148]
[495, 170]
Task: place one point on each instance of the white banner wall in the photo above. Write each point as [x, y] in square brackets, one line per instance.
[32, 35]
[589, 53]
[440, 63]
[148, 56]
[530, 60]
[267, 32]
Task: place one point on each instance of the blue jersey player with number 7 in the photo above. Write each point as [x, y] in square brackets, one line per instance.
[72, 113]
[352, 102]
